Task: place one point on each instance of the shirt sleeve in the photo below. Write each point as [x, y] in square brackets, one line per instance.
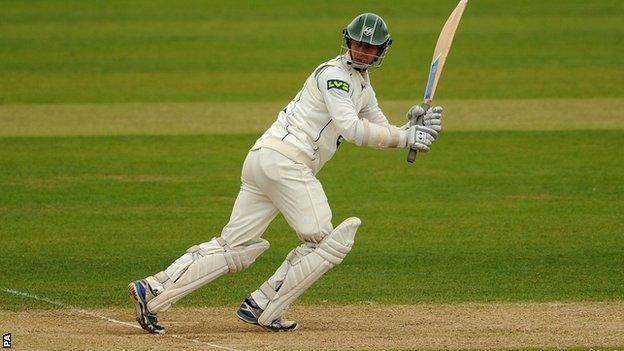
[336, 88]
[372, 111]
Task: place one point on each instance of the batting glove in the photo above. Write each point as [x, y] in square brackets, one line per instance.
[431, 118]
[420, 138]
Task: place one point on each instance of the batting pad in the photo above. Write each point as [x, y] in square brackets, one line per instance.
[202, 264]
[304, 271]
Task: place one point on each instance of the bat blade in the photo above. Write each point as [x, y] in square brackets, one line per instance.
[433, 78]
[442, 49]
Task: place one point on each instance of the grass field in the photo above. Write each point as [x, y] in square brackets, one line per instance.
[123, 128]
[489, 216]
[155, 51]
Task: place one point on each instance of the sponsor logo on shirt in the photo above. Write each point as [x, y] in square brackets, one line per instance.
[337, 84]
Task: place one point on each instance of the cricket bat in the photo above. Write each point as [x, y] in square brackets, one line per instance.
[439, 58]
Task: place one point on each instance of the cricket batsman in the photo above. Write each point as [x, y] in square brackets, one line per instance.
[337, 102]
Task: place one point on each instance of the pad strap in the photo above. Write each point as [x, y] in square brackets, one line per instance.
[267, 290]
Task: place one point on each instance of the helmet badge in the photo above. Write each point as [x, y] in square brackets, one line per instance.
[368, 31]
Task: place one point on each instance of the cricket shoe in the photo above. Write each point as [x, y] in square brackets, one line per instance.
[140, 294]
[249, 312]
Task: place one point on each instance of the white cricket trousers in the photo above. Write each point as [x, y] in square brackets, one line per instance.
[273, 183]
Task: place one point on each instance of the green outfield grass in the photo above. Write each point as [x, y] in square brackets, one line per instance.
[490, 216]
[157, 51]
[255, 117]
[123, 127]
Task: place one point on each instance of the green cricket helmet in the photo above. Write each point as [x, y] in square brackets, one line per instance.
[371, 29]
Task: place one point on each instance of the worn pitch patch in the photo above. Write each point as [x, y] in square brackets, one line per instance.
[457, 326]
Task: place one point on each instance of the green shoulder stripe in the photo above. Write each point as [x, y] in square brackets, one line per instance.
[338, 84]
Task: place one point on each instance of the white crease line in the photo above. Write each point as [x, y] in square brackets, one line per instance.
[95, 315]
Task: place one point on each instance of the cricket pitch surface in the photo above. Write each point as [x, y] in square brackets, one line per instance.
[362, 327]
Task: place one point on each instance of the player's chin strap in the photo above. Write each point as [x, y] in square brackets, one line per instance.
[360, 67]
[200, 265]
[305, 265]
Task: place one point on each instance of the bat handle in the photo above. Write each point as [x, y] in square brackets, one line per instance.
[411, 156]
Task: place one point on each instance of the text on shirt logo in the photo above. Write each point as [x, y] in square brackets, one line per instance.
[338, 84]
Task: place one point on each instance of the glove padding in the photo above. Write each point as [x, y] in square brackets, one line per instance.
[420, 138]
[431, 118]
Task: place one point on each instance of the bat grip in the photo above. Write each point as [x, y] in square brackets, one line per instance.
[411, 156]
